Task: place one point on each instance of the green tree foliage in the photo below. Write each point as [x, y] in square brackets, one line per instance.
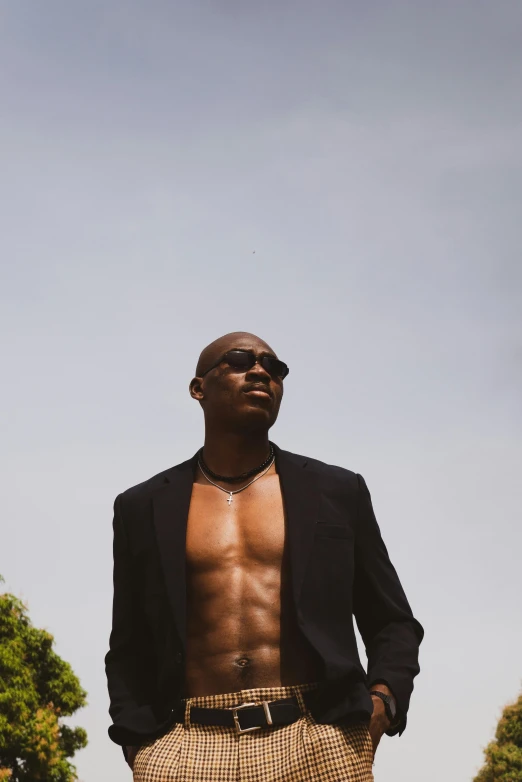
[504, 753]
[37, 689]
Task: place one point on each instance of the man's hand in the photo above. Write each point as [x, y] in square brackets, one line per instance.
[131, 754]
[379, 721]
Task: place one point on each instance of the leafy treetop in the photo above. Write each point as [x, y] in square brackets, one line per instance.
[503, 755]
[37, 689]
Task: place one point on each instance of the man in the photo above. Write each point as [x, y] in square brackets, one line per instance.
[236, 575]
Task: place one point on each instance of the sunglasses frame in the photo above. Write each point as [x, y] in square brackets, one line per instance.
[258, 360]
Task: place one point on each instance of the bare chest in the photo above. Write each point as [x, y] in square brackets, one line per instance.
[249, 529]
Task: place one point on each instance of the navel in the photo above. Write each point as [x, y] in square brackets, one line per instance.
[243, 662]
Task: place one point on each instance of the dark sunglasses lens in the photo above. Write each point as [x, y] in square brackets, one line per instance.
[239, 359]
[275, 367]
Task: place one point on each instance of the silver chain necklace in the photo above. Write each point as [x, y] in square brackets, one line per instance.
[231, 493]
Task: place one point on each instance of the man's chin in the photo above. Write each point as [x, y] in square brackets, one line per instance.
[256, 416]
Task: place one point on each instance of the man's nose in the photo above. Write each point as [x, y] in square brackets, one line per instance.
[259, 370]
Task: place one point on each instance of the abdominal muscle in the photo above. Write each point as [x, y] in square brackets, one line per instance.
[237, 644]
[241, 626]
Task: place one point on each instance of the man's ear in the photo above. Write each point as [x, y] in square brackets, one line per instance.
[195, 389]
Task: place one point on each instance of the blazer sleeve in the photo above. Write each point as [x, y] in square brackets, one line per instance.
[128, 670]
[390, 632]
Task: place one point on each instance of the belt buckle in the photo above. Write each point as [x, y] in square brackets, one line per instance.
[235, 710]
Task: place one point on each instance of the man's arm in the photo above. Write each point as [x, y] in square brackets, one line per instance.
[120, 664]
[127, 668]
[388, 628]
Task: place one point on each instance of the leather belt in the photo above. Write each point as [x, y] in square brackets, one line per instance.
[246, 716]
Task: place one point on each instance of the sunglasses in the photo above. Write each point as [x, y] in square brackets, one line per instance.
[243, 360]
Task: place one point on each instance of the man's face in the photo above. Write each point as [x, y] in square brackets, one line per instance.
[238, 398]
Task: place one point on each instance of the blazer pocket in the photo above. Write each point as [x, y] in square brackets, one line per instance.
[325, 530]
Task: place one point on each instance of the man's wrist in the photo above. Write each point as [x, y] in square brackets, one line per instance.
[383, 693]
[381, 687]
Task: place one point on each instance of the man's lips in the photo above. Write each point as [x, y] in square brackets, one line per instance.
[258, 391]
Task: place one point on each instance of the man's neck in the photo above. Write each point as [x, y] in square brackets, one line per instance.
[233, 454]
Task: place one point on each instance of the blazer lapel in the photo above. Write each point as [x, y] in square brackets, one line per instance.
[301, 497]
[171, 506]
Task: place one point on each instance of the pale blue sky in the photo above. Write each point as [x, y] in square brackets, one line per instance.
[370, 155]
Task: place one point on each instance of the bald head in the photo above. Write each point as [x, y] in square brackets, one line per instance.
[237, 399]
[236, 339]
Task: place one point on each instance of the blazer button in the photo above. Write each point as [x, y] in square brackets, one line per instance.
[178, 657]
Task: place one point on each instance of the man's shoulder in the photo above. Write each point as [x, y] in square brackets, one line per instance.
[324, 469]
[148, 486]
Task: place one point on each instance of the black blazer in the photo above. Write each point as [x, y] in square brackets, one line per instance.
[339, 568]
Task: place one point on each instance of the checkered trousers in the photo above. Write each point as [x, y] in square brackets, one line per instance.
[304, 751]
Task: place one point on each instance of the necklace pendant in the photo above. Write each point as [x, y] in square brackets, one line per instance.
[229, 500]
